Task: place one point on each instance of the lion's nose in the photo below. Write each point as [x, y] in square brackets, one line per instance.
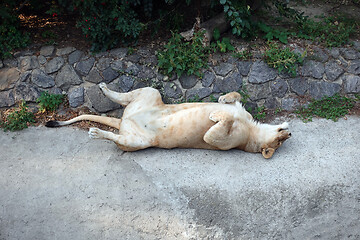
[290, 134]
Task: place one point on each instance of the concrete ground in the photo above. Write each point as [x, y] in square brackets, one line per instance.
[59, 184]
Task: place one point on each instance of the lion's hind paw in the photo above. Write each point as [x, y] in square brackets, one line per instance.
[95, 133]
[103, 86]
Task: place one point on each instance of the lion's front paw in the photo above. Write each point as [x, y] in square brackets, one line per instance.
[103, 86]
[95, 133]
[216, 116]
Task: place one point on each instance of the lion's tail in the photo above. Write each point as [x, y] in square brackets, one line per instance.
[109, 121]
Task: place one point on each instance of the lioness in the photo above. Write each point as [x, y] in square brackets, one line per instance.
[148, 122]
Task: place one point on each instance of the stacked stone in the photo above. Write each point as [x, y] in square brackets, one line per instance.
[325, 72]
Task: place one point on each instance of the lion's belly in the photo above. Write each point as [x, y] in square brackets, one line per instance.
[173, 126]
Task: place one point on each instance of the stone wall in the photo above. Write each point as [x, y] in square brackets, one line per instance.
[75, 73]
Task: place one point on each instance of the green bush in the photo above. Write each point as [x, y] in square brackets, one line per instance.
[107, 22]
[332, 31]
[10, 35]
[18, 119]
[284, 60]
[49, 102]
[181, 57]
[328, 107]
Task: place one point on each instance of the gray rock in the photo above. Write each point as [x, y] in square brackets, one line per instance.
[150, 60]
[6, 99]
[28, 63]
[350, 54]
[41, 79]
[146, 73]
[172, 90]
[356, 45]
[231, 83]
[258, 91]
[25, 76]
[67, 77]
[47, 50]
[188, 82]
[320, 55]
[76, 97]
[84, 66]
[27, 92]
[261, 73]
[141, 84]
[118, 65]
[109, 74]
[223, 69]
[75, 57]
[333, 70]
[1, 64]
[65, 51]
[54, 65]
[119, 52]
[200, 93]
[135, 58]
[354, 67]
[352, 84]
[98, 100]
[319, 90]
[334, 52]
[126, 83]
[103, 63]
[279, 88]
[94, 76]
[289, 104]
[313, 69]
[42, 60]
[251, 107]
[131, 68]
[11, 62]
[244, 67]
[271, 103]
[8, 77]
[54, 90]
[299, 85]
[208, 79]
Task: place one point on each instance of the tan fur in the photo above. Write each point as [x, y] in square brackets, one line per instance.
[148, 122]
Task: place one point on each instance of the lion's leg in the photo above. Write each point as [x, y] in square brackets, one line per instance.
[149, 95]
[218, 135]
[230, 98]
[129, 142]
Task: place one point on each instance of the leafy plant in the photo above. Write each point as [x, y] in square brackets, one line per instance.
[259, 113]
[272, 33]
[243, 55]
[328, 107]
[244, 94]
[282, 59]
[195, 98]
[49, 102]
[181, 57]
[224, 45]
[10, 35]
[239, 16]
[332, 31]
[18, 119]
[105, 22]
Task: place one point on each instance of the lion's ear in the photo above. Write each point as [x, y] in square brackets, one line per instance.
[267, 152]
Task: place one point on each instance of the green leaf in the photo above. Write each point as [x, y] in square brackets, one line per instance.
[222, 2]
[216, 34]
